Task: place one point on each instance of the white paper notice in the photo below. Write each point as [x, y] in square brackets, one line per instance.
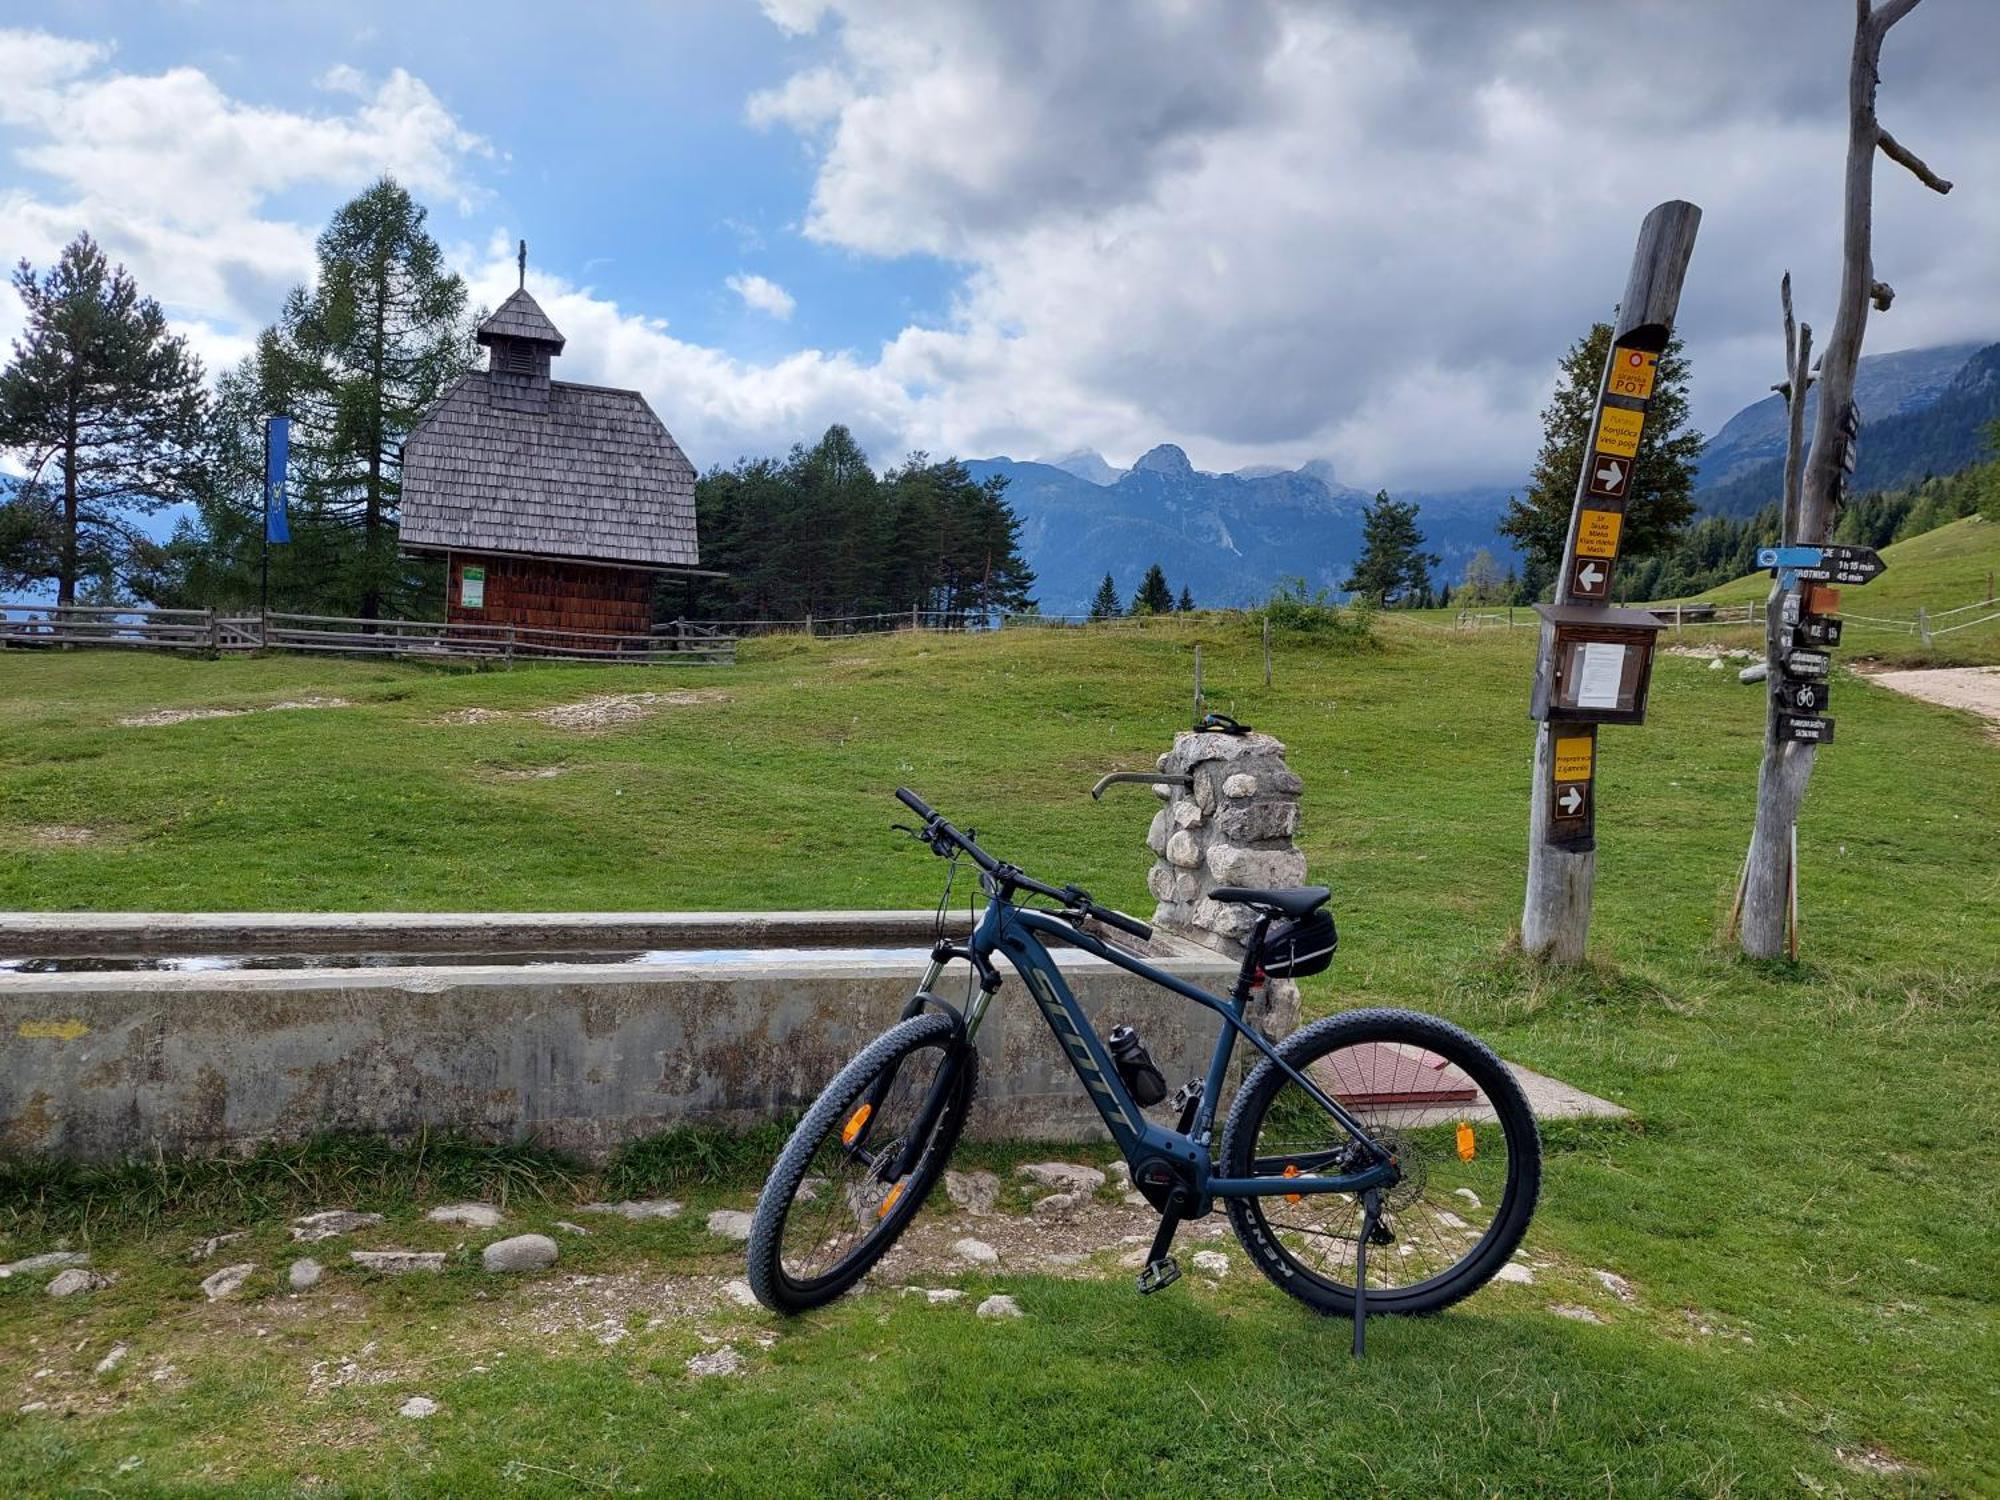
[1603, 669]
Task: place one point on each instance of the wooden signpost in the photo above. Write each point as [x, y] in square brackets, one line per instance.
[1595, 662]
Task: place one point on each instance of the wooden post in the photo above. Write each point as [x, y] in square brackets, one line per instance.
[1923, 627]
[214, 631]
[1267, 650]
[1770, 880]
[510, 648]
[1555, 916]
[1197, 684]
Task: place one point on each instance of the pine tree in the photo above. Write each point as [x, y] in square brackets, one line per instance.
[102, 407]
[1104, 604]
[356, 359]
[1153, 597]
[1393, 566]
[1187, 600]
[1660, 501]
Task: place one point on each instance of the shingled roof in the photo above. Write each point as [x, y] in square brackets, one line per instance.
[520, 317]
[512, 461]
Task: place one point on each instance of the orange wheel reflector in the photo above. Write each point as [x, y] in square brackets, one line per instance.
[1292, 1170]
[1466, 1145]
[890, 1201]
[860, 1118]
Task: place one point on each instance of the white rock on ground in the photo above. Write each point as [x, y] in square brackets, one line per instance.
[1468, 1195]
[1576, 1314]
[1121, 1174]
[568, 1228]
[207, 1248]
[1063, 1176]
[328, 1223]
[50, 1261]
[642, 1208]
[723, 1361]
[417, 1408]
[397, 1262]
[113, 1358]
[730, 1223]
[1059, 1205]
[1211, 1263]
[739, 1292]
[1515, 1272]
[1000, 1306]
[977, 1251]
[227, 1282]
[975, 1192]
[304, 1274]
[472, 1215]
[76, 1279]
[940, 1294]
[1617, 1285]
[524, 1252]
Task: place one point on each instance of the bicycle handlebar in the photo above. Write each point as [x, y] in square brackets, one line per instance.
[940, 835]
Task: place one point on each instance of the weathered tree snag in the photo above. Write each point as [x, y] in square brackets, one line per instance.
[1769, 879]
[1555, 917]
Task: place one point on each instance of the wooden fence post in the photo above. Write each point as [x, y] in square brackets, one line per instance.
[1923, 626]
[1267, 650]
[1197, 684]
[1555, 916]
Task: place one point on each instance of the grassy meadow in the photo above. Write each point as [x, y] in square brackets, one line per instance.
[1803, 1200]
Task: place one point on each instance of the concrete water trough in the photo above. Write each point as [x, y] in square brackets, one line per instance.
[125, 1034]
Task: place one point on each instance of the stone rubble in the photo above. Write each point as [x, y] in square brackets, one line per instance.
[975, 1192]
[112, 1359]
[1617, 1285]
[1063, 1176]
[722, 1361]
[397, 1262]
[207, 1248]
[304, 1274]
[977, 1251]
[472, 1215]
[76, 1279]
[330, 1223]
[730, 1224]
[645, 1208]
[1000, 1306]
[524, 1252]
[739, 1292]
[1211, 1263]
[417, 1408]
[228, 1281]
[50, 1261]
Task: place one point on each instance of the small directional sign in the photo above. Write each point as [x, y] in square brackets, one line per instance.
[1571, 817]
[1808, 666]
[1842, 565]
[1821, 600]
[1597, 532]
[1592, 578]
[1803, 697]
[1610, 476]
[1815, 729]
[1571, 799]
[1618, 430]
[1814, 630]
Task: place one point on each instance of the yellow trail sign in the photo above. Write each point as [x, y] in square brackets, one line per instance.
[1573, 757]
[1618, 431]
[1632, 372]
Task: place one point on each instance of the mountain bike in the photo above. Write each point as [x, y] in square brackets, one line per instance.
[1376, 1161]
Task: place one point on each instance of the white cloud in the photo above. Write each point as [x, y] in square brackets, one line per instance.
[175, 178]
[763, 294]
[1274, 228]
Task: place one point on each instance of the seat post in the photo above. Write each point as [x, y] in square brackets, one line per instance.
[1246, 972]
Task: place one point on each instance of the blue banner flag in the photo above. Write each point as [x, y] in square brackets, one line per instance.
[277, 454]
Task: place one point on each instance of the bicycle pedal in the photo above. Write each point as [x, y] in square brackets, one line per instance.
[1159, 1275]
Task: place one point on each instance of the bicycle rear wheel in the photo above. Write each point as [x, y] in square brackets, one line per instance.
[855, 1173]
[1463, 1137]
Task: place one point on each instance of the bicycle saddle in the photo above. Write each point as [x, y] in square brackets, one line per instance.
[1293, 901]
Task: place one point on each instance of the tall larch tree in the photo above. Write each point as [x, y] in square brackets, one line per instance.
[356, 359]
[102, 408]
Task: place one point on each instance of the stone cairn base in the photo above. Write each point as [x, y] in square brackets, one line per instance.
[1233, 825]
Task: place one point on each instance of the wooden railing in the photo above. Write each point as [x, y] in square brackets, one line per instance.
[677, 643]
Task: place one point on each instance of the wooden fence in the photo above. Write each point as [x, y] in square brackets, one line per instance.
[675, 643]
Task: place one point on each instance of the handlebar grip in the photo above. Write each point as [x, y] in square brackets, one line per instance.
[1123, 923]
[915, 803]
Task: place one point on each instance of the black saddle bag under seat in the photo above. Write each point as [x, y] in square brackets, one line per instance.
[1293, 950]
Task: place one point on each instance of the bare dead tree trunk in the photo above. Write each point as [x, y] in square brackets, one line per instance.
[1781, 785]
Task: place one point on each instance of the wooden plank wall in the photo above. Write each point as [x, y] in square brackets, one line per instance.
[543, 595]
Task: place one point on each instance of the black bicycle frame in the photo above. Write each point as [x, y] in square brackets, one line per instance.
[1016, 931]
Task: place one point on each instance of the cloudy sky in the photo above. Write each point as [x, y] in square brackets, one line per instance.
[1268, 230]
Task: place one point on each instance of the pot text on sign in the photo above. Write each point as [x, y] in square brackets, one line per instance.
[1632, 372]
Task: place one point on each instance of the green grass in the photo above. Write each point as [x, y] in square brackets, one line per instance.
[1809, 1171]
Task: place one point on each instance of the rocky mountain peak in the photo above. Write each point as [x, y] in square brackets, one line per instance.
[1165, 459]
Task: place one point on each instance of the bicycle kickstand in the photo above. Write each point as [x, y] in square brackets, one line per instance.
[1371, 1202]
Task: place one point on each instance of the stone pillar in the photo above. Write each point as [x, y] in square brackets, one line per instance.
[1234, 825]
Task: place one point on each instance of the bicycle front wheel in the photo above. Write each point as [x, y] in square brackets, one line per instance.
[1459, 1128]
[861, 1163]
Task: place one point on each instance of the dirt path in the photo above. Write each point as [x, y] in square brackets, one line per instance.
[1974, 688]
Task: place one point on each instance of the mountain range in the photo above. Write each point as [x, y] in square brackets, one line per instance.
[1229, 538]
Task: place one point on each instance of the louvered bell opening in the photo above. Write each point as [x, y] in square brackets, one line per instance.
[514, 357]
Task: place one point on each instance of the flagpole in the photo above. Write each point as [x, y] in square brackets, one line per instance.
[264, 582]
